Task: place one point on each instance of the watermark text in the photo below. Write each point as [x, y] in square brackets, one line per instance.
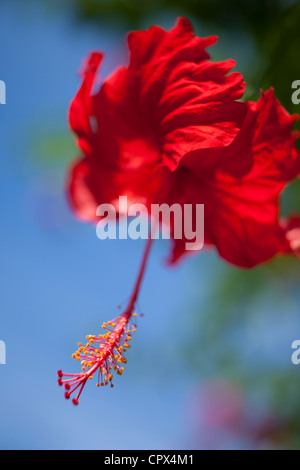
[2, 352]
[180, 222]
[2, 92]
[296, 93]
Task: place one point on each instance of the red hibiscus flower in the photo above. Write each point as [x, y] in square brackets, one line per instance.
[170, 128]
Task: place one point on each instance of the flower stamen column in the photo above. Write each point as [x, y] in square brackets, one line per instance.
[104, 354]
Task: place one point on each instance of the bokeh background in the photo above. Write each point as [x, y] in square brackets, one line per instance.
[210, 365]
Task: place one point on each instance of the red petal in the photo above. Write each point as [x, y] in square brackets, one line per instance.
[80, 108]
[90, 185]
[242, 212]
[191, 101]
[117, 127]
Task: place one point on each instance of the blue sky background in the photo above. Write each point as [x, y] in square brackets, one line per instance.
[59, 282]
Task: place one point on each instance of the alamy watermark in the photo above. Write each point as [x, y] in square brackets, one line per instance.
[2, 352]
[296, 93]
[187, 222]
[296, 353]
[2, 92]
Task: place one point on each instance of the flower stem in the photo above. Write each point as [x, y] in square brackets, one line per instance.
[129, 309]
